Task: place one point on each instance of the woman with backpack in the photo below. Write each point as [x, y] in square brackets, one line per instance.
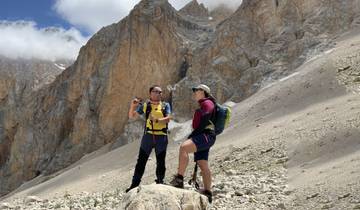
[200, 140]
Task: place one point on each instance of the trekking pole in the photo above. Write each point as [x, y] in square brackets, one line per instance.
[193, 180]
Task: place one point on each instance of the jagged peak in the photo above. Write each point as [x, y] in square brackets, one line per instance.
[150, 7]
[195, 9]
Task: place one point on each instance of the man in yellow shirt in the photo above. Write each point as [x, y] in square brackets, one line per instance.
[157, 116]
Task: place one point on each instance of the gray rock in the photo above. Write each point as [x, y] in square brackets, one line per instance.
[33, 199]
[312, 196]
[153, 197]
[5, 206]
[356, 206]
[328, 206]
[344, 196]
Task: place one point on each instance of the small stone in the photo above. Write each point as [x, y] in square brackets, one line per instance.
[343, 69]
[267, 150]
[230, 172]
[282, 160]
[312, 196]
[356, 206]
[248, 192]
[252, 200]
[354, 201]
[32, 199]
[238, 193]
[356, 79]
[288, 192]
[328, 206]
[6, 206]
[344, 196]
[325, 201]
[281, 206]
[221, 185]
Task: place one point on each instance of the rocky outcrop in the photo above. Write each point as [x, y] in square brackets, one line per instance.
[262, 41]
[152, 197]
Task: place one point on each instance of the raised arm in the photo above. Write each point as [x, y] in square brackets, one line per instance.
[132, 111]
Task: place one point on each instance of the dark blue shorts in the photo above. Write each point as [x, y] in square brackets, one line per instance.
[203, 143]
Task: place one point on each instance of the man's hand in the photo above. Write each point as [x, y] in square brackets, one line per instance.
[132, 112]
[135, 102]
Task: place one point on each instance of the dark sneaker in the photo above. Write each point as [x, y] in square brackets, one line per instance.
[177, 181]
[207, 193]
[131, 187]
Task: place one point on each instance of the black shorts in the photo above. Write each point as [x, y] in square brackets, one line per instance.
[203, 143]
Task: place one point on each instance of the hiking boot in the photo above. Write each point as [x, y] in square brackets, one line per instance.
[159, 181]
[132, 186]
[207, 193]
[178, 181]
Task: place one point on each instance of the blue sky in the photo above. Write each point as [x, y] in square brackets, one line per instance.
[23, 24]
[39, 11]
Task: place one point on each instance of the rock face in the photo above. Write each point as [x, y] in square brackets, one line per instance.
[86, 106]
[220, 13]
[262, 41]
[152, 197]
[18, 79]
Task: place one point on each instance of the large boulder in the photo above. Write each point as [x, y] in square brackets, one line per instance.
[162, 197]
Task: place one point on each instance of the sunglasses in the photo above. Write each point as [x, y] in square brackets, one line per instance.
[195, 89]
[156, 91]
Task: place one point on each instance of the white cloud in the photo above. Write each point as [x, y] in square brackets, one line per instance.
[211, 4]
[22, 39]
[91, 15]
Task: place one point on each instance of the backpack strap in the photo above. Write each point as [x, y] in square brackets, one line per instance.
[147, 107]
[147, 110]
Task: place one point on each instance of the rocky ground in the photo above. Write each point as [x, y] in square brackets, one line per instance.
[248, 177]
